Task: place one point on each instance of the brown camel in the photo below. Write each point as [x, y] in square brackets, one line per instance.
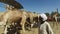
[14, 15]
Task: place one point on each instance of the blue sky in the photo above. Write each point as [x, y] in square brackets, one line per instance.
[39, 6]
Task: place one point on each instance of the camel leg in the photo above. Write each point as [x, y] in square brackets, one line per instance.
[5, 31]
[31, 20]
[23, 23]
[56, 21]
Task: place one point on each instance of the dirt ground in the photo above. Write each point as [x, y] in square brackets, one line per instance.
[56, 29]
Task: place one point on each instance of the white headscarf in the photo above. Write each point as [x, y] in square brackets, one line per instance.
[43, 16]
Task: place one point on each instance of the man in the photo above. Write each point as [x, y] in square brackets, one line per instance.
[44, 26]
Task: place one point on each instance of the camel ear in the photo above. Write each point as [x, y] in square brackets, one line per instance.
[12, 3]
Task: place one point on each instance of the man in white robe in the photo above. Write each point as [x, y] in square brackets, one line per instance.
[44, 26]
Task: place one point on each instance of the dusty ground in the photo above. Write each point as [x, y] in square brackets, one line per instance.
[56, 29]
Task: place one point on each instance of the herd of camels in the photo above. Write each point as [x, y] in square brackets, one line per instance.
[12, 15]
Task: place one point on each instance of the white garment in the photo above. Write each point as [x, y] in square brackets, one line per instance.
[45, 28]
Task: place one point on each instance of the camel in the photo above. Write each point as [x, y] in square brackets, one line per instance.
[33, 18]
[14, 15]
[55, 17]
[9, 15]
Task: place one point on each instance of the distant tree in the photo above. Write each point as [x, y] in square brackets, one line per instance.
[52, 13]
[47, 14]
[34, 12]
